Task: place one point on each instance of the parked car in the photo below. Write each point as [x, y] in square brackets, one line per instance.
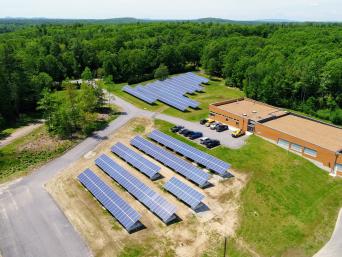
[188, 133]
[212, 144]
[183, 131]
[221, 128]
[209, 122]
[176, 129]
[195, 135]
[238, 133]
[214, 125]
[203, 121]
[204, 139]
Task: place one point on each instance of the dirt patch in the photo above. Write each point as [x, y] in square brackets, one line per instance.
[42, 142]
[188, 238]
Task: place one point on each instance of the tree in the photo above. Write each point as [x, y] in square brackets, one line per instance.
[161, 72]
[86, 74]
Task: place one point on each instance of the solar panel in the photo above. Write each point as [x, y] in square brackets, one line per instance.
[179, 165]
[121, 210]
[181, 86]
[152, 200]
[200, 78]
[192, 153]
[191, 80]
[185, 193]
[147, 98]
[145, 166]
[175, 98]
[194, 85]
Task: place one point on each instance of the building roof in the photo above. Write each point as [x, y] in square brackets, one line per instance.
[315, 132]
[250, 109]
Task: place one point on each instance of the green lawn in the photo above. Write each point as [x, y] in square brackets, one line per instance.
[214, 91]
[30, 151]
[289, 206]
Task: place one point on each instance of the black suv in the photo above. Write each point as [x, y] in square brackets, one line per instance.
[195, 135]
[212, 144]
[221, 128]
[176, 129]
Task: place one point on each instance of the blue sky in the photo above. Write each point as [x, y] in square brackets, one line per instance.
[302, 10]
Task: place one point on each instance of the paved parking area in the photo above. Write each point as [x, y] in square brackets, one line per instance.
[225, 137]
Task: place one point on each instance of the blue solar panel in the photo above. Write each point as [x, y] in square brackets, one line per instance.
[191, 80]
[121, 210]
[202, 79]
[155, 202]
[145, 166]
[181, 86]
[192, 153]
[147, 98]
[195, 86]
[170, 91]
[185, 193]
[180, 99]
[179, 165]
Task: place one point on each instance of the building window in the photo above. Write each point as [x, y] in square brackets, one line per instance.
[310, 152]
[338, 167]
[297, 148]
[283, 143]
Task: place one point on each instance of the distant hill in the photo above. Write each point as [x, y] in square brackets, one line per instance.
[126, 20]
[129, 20]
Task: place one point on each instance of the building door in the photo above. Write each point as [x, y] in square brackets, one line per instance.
[251, 126]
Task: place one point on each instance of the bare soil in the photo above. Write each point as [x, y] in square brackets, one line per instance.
[106, 237]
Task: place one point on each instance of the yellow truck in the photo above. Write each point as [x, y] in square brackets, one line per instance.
[238, 133]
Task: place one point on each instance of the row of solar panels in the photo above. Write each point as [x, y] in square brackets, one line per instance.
[122, 211]
[207, 160]
[170, 91]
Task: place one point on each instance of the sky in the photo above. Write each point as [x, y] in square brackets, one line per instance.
[300, 10]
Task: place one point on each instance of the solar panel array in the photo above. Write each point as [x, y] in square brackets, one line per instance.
[155, 202]
[145, 166]
[170, 91]
[182, 191]
[207, 160]
[179, 165]
[121, 210]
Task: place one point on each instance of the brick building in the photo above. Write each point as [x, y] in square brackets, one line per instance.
[308, 137]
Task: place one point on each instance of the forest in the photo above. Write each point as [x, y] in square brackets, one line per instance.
[295, 66]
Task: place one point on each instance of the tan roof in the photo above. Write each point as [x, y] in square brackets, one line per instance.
[251, 109]
[323, 135]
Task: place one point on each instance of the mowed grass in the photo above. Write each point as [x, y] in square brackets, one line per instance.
[29, 152]
[215, 91]
[289, 206]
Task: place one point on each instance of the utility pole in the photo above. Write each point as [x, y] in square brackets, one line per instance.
[225, 246]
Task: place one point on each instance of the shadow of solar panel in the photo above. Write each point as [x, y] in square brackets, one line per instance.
[152, 200]
[185, 193]
[145, 166]
[121, 210]
[179, 165]
[192, 153]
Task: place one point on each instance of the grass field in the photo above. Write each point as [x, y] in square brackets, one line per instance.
[214, 91]
[30, 151]
[289, 206]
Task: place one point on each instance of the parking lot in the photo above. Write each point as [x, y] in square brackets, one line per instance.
[224, 137]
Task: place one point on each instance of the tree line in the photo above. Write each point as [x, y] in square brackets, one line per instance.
[291, 66]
